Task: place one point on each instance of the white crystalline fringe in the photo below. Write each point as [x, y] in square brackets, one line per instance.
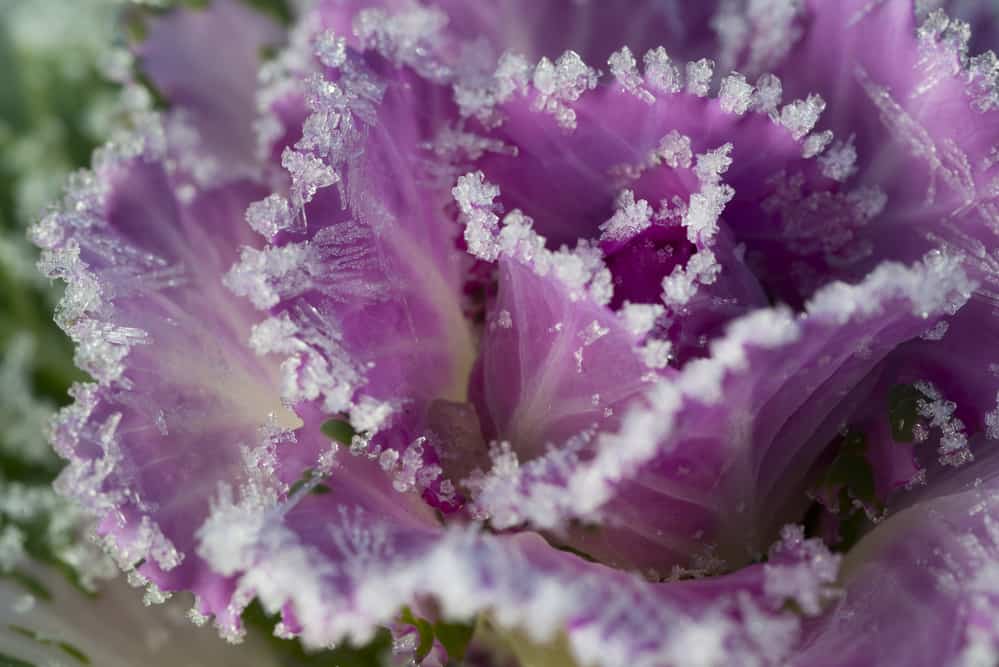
[474, 197]
[548, 491]
[337, 259]
[810, 582]
[800, 116]
[608, 618]
[624, 67]
[581, 269]
[87, 313]
[629, 220]
[736, 94]
[561, 83]
[479, 97]
[699, 76]
[340, 259]
[953, 446]
[316, 364]
[661, 75]
[701, 221]
[945, 54]
[406, 37]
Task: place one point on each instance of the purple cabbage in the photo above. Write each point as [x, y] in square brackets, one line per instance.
[649, 333]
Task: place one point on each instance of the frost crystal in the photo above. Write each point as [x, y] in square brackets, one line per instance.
[475, 198]
[308, 175]
[767, 95]
[953, 447]
[661, 74]
[331, 49]
[271, 216]
[674, 149]
[640, 318]
[699, 77]
[800, 117]
[560, 83]
[735, 95]
[630, 219]
[992, 421]
[405, 37]
[625, 69]
[815, 144]
[809, 582]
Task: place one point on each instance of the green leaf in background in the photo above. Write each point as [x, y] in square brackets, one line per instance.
[291, 653]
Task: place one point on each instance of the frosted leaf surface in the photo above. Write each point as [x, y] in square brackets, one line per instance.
[565, 186]
[736, 95]
[652, 445]
[214, 87]
[932, 557]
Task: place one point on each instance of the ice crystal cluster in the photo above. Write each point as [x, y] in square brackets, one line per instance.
[618, 333]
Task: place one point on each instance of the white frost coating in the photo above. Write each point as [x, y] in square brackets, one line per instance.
[283, 77]
[272, 215]
[608, 618]
[339, 259]
[736, 94]
[800, 116]
[629, 220]
[767, 95]
[331, 49]
[711, 165]
[316, 363]
[992, 421]
[85, 309]
[456, 146]
[661, 75]
[640, 318]
[406, 37]
[474, 197]
[938, 331]
[244, 532]
[953, 446]
[674, 150]
[814, 144]
[936, 285]
[86, 433]
[560, 83]
[368, 415]
[264, 276]
[547, 492]
[944, 53]
[946, 162]
[513, 73]
[581, 270]
[701, 221]
[810, 582]
[699, 75]
[408, 470]
[656, 353]
[479, 98]
[308, 175]
[624, 67]
[840, 161]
